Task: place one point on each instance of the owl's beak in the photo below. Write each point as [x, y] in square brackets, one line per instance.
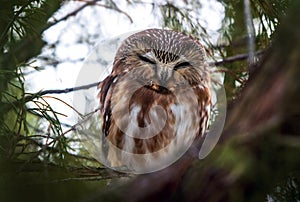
[163, 74]
[155, 87]
[159, 88]
[161, 81]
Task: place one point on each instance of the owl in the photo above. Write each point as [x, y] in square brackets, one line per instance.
[155, 101]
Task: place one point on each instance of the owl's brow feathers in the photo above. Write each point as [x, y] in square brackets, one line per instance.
[166, 45]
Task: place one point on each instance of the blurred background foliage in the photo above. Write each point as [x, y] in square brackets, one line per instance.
[37, 155]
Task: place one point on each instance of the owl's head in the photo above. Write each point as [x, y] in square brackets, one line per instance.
[163, 60]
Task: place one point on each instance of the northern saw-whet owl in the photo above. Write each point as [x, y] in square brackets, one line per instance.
[156, 100]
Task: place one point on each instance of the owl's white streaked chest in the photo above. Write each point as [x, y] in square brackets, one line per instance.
[147, 126]
[145, 114]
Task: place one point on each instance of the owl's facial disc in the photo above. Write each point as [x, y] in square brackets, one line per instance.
[167, 69]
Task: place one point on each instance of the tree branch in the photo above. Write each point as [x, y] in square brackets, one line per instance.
[235, 58]
[68, 90]
[89, 3]
[73, 13]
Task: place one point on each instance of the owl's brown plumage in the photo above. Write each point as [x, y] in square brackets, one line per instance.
[156, 100]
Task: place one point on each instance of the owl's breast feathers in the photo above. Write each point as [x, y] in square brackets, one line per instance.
[144, 121]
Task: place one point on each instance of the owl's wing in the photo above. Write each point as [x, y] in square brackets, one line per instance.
[104, 97]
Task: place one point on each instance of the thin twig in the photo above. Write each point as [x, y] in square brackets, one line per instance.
[116, 8]
[68, 90]
[232, 73]
[73, 13]
[235, 58]
[41, 116]
[89, 3]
